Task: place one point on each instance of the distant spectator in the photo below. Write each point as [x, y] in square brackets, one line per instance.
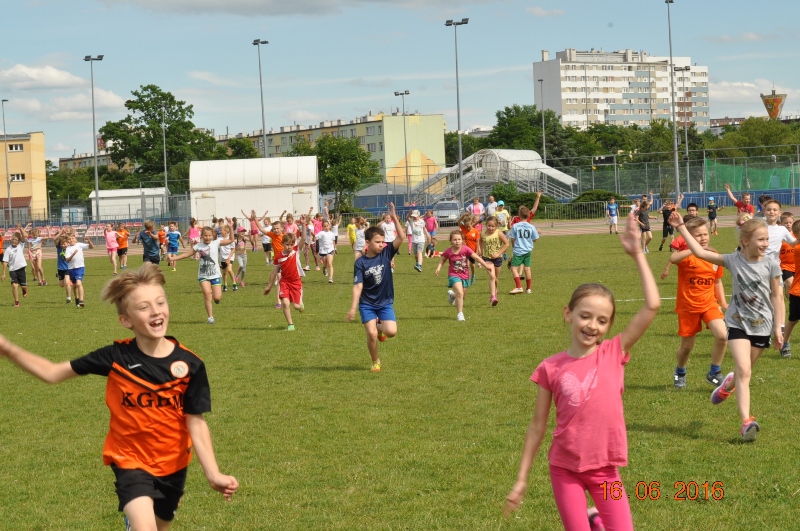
[491, 207]
[476, 208]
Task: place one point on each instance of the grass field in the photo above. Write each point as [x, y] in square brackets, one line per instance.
[431, 442]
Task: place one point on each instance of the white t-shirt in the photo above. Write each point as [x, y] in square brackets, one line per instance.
[490, 208]
[15, 257]
[35, 243]
[209, 258]
[77, 260]
[264, 237]
[418, 231]
[777, 235]
[389, 231]
[325, 239]
[226, 250]
[361, 241]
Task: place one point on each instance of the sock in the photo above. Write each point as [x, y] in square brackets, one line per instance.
[680, 372]
[715, 369]
[517, 282]
[528, 283]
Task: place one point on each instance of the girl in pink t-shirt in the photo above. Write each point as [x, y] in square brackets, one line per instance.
[458, 272]
[111, 244]
[586, 383]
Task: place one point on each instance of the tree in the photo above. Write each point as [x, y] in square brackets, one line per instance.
[138, 136]
[469, 146]
[505, 192]
[342, 165]
[242, 148]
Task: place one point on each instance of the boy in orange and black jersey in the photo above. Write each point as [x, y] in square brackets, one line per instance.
[156, 391]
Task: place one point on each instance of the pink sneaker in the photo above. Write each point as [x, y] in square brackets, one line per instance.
[494, 301]
[595, 522]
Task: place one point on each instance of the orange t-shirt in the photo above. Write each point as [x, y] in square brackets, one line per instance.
[162, 237]
[277, 245]
[787, 257]
[122, 238]
[795, 289]
[471, 237]
[696, 279]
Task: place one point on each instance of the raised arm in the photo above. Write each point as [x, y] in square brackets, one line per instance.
[730, 194]
[680, 200]
[400, 233]
[42, 368]
[535, 206]
[652, 300]
[676, 220]
[259, 223]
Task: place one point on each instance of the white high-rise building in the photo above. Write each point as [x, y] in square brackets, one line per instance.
[622, 88]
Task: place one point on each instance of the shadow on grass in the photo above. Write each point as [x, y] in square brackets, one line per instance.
[689, 430]
[326, 368]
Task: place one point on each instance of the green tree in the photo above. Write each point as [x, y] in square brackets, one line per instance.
[469, 146]
[302, 148]
[138, 136]
[756, 132]
[242, 148]
[505, 192]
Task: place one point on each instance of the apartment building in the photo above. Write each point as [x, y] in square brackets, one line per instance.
[624, 88]
[27, 176]
[392, 140]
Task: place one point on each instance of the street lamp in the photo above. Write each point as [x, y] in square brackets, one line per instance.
[455, 25]
[49, 220]
[685, 130]
[91, 61]
[674, 125]
[5, 155]
[544, 144]
[164, 139]
[257, 43]
[405, 143]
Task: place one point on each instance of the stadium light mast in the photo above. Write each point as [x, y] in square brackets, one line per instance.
[5, 155]
[257, 43]
[91, 61]
[674, 125]
[403, 94]
[455, 25]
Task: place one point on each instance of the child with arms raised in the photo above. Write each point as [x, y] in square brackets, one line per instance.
[287, 265]
[586, 383]
[756, 309]
[148, 448]
[14, 262]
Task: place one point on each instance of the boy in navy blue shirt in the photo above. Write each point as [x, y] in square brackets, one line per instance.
[373, 287]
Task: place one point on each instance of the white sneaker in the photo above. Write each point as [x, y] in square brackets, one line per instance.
[515, 291]
[451, 296]
[210, 320]
[460, 316]
[528, 291]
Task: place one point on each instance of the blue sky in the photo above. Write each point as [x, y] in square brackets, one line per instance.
[330, 59]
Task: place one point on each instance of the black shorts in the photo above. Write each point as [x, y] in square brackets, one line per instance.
[267, 247]
[18, 276]
[223, 264]
[794, 308]
[166, 491]
[152, 259]
[471, 260]
[497, 262]
[786, 275]
[667, 230]
[61, 273]
[316, 246]
[712, 218]
[755, 341]
[121, 251]
[1, 255]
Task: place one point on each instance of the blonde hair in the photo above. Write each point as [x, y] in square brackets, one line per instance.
[587, 290]
[695, 223]
[747, 228]
[117, 290]
[149, 225]
[288, 239]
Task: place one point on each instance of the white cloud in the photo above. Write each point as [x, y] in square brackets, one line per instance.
[39, 77]
[748, 36]
[542, 12]
[743, 98]
[303, 117]
[59, 147]
[210, 77]
[251, 8]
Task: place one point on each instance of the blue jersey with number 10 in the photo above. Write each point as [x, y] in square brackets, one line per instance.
[523, 234]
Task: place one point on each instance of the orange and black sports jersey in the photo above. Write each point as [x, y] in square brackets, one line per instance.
[149, 399]
[787, 257]
[696, 279]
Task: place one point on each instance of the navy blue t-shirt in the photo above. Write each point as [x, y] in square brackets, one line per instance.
[712, 211]
[375, 274]
[150, 243]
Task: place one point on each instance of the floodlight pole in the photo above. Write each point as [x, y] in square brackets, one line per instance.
[5, 148]
[674, 125]
[164, 139]
[458, 106]
[91, 61]
[257, 43]
[405, 144]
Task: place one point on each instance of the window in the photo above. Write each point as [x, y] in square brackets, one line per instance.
[352, 133]
[255, 144]
[371, 130]
[277, 149]
[371, 148]
[292, 139]
[15, 147]
[380, 129]
[18, 177]
[380, 161]
[336, 134]
[380, 146]
[362, 140]
[283, 141]
[269, 142]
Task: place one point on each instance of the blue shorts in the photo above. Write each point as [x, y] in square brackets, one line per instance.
[76, 275]
[451, 281]
[214, 281]
[370, 313]
[172, 250]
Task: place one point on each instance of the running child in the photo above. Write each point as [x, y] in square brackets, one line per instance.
[276, 238]
[35, 255]
[266, 241]
[290, 291]
[431, 223]
[335, 222]
[679, 244]
[458, 273]
[225, 256]
[470, 236]
[586, 383]
[756, 310]
[325, 241]
[242, 241]
[531, 212]
[522, 237]
[148, 448]
[667, 208]
[151, 249]
[777, 233]
[794, 297]
[351, 233]
[643, 218]
[122, 245]
[492, 246]
[62, 267]
[786, 254]
[743, 206]
[712, 209]
[174, 237]
[373, 287]
[700, 297]
[14, 262]
[112, 245]
[419, 238]
[361, 240]
[76, 265]
[612, 214]
[208, 272]
[192, 234]
[388, 231]
[162, 242]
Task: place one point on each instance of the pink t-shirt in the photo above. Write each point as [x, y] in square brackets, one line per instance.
[430, 223]
[317, 225]
[590, 425]
[458, 266]
[111, 240]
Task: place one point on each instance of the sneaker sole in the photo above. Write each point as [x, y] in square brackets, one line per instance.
[750, 434]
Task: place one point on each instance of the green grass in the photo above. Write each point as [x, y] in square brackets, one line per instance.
[432, 442]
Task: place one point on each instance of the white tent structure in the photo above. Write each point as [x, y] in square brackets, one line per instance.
[129, 203]
[223, 188]
[488, 167]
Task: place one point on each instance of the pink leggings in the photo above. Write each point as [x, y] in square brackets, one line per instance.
[569, 490]
[410, 243]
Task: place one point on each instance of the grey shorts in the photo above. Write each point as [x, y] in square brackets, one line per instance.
[418, 247]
